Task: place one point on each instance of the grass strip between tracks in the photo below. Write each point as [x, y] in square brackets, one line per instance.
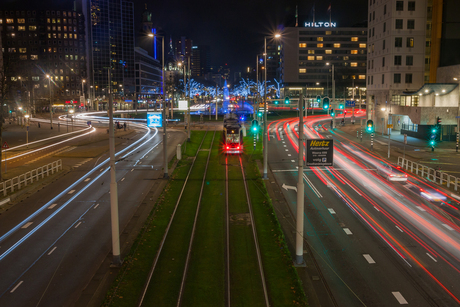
[205, 285]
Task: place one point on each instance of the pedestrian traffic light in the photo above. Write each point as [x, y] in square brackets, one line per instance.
[433, 136]
[318, 99]
[341, 106]
[259, 114]
[370, 126]
[325, 103]
[255, 125]
[332, 113]
[276, 101]
[286, 100]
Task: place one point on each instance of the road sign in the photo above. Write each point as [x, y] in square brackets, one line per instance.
[390, 126]
[154, 119]
[320, 152]
[5, 145]
[350, 103]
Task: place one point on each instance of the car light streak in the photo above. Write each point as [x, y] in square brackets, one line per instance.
[63, 193]
[49, 146]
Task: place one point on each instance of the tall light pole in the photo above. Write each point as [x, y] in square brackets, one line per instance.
[165, 154]
[83, 90]
[300, 191]
[333, 94]
[265, 142]
[51, 104]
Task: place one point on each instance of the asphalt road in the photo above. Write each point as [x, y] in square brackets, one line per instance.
[377, 242]
[51, 256]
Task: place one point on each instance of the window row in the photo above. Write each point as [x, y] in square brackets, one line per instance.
[63, 35]
[58, 20]
[396, 79]
[397, 61]
[336, 45]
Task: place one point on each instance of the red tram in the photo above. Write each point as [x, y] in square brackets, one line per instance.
[232, 135]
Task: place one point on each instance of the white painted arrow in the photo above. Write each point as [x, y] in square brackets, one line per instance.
[289, 187]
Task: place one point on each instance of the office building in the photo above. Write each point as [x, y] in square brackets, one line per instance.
[148, 76]
[40, 43]
[411, 47]
[110, 28]
[201, 62]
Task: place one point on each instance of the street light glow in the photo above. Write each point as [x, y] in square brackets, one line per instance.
[151, 35]
[277, 35]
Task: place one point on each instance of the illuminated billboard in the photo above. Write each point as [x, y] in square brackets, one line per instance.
[154, 119]
[183, 105]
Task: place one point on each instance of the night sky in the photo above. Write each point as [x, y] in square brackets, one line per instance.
[235, 29]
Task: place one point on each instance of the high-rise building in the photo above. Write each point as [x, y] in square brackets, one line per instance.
[273, 62]
[200, 60]
[110, 28]
[183, 49]
[411, 46]
[311, 55]
[40, 43]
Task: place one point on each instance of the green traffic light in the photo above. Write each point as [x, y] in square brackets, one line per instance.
[259, 114]
[432, 143]
[433, 131]
[276, 102]
[341, 106]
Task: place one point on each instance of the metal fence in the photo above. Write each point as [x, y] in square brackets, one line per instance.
[23, 180]
[435, 175]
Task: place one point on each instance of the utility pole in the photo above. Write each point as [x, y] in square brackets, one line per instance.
[165, 151]
[333, 95]
[217, 95]
[300, 191]
[113, 183]
[188, 99]
[265, 141]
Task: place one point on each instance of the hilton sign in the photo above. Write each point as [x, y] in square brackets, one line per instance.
[320, 24]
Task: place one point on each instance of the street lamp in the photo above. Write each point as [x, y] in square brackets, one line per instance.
[165, 156]
[51, 105]
[27, 129]
[83, 90]
[265, 141]
[333, 93]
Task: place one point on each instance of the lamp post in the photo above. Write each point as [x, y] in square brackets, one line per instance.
[27, 129]
[51, 105]
[71, 117]
[165, 155]
[265, 142]
[83, 90]
[333, 93]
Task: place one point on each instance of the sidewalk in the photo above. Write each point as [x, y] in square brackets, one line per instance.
[444, 155]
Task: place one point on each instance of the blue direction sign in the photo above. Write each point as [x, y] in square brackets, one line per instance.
[154, 119]
[349, 103]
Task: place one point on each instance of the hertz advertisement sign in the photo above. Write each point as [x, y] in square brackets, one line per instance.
[320, 152]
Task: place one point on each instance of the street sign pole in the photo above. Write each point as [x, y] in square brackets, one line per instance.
[300, 192]
[5, 146]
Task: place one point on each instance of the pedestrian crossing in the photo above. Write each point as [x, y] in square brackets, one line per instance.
[82, 162]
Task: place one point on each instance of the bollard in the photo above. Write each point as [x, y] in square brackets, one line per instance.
[179, 152]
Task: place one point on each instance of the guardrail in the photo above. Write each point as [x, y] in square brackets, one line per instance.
[437, 176]
[24, 179]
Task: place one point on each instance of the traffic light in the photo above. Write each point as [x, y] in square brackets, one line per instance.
[325, 103]
[438, 120]
[318, 99]
[259, 114]
[255, 125]
[341, 106]
[276, 101]
[370, 126]
[332, 113]
[286, 100]
[433, 136]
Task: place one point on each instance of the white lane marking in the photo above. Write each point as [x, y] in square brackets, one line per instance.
[97, 205]
[331, 210]
[122, 179]
[292, 160]
[380, 142]
[312, 186]
[14, 289]
[420, 208]
[132, 170]
[87, 179]
[289, 155]
[140, 162]
[51, 251]
[368, 258]
[432, 258]
[347, 231]
[27, 225]
[284, 142]
[52, 206]
[285, 145]
[101, 169]
[399, 228]
[447, 226]
[71, 192]
[77, 224]
[286, 150]
[400, 298]
[376, 209]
